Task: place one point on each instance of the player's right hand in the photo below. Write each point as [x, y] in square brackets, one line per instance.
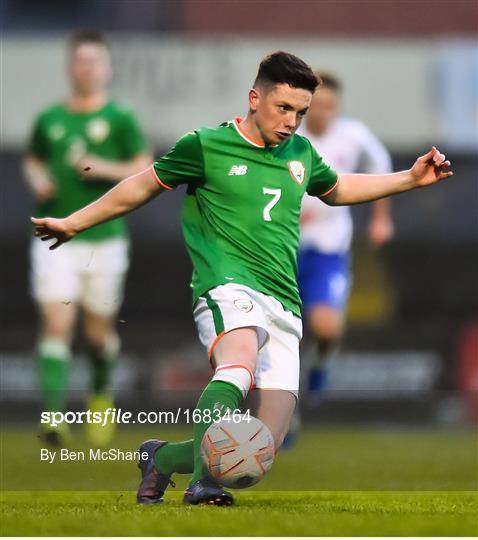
[53, 228]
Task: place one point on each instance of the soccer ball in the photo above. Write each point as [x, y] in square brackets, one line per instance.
[238, 454]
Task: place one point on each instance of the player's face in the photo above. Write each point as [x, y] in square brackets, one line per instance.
[323, 109]
[278, 112]
[89, 68]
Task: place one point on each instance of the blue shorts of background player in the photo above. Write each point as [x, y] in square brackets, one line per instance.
[324, 278]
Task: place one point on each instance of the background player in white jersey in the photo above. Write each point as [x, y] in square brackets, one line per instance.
[347, 145]
[78, 149]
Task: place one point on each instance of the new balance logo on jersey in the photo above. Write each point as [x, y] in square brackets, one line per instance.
[238, 170]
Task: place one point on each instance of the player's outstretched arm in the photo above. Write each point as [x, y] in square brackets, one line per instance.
[358, 188]
[123, 198]
[93, 167]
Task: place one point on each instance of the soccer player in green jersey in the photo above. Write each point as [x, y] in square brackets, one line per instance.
[78, 149]
[245, 181]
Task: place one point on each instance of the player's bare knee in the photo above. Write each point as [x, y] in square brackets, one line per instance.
[96, 340]
[107, 347]
[237, 347]
[246, 355]
[57, 321]
[98, 330]
[327, 324]
[56, 329]
[330, 334]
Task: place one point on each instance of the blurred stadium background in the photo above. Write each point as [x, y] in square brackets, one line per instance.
[410, 71]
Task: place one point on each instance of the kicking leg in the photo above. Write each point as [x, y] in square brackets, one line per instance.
[234, 357]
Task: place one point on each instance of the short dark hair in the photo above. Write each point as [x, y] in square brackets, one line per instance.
[285, 68]
[81, 37]
[329, 80]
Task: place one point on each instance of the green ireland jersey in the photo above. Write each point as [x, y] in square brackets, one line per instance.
[60, 137]
[241, 214]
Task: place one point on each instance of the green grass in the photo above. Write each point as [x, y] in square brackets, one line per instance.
[256, 514]
[323, 460]
[361, 482]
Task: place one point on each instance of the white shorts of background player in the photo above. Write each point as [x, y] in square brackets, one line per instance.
[91, 274]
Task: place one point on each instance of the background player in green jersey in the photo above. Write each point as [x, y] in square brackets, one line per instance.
[78, 149]
[240, 220]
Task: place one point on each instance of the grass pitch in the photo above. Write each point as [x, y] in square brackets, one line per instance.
[256, 514]
[360, 482]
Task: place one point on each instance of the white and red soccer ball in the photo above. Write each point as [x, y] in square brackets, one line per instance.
[238, 454]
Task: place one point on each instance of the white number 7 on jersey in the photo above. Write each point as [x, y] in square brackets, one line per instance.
[267, 210]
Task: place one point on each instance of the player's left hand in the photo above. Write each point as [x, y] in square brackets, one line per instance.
[57, 229]
[380, 230]
[430, 168]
